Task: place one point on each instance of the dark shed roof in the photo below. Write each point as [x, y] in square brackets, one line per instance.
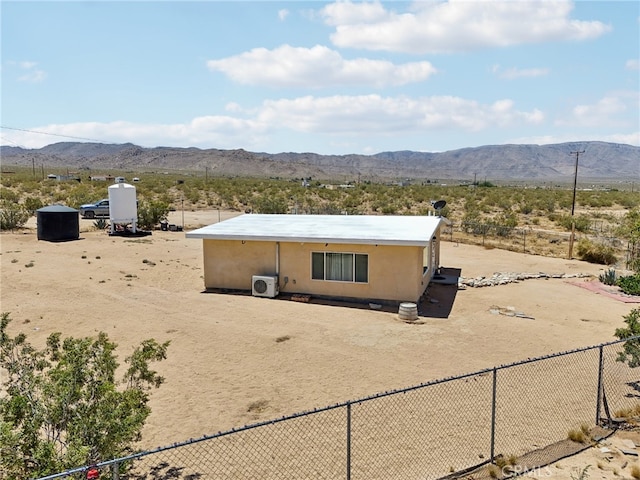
[57, 209]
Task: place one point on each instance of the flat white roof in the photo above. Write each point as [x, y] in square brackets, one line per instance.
[344, 229]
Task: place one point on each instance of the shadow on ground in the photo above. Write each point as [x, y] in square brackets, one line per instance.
[441, 294]
[436, 303]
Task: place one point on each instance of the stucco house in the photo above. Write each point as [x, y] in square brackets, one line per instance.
[384, 259]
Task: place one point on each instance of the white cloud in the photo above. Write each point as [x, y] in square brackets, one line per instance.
[374, 114]
[233, 107]
[316, 67]
[455, 25]
[633, 64]
[626, 138]
[220, 131]
[609, 111]
[513, 73]
[347, 117]
[347, 12]
[31, 74]
[283, 14]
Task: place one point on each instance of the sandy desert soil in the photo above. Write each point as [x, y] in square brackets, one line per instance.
[227, 352]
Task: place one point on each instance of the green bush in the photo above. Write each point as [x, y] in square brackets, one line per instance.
[582, 222]
[100, 224]
[630, 284]
[9, 195]
[269, 204]
[63, 406]
[32, 204]
[152, 213]
[631, 348]
[12, 215]
[609, 277]
[596, 252]
[505, 224]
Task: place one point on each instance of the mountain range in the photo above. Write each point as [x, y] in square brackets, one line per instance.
[597, 161]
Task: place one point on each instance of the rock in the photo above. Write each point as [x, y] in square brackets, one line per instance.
[503, 278]
[628, 443]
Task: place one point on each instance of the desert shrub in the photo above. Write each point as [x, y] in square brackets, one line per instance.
[389, 209]
[631, 348]
[505, 224]
[31, 204]
[269, 204]
[577, 435]
[628, 412]
[582, 222]
[12, 215]
[526, 208]
[596, 252]
[76, 195]
[9, 195]
[630, 284]
[100, 224]
[471, 222]
[629, 228]
[193, 195]
[64, 406]
[152, 213]
[581, 474]
[485, 184]
[609, 277]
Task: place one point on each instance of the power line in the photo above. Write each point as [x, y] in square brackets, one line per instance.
[52, 134]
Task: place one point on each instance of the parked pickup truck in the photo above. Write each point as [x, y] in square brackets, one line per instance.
[98, 209]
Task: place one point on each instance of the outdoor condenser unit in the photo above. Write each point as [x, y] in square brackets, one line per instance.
[264, 286]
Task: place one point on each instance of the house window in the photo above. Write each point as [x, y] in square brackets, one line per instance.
[425, 260]
[340, 267]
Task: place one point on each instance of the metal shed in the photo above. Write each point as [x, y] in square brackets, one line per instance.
[57, 223]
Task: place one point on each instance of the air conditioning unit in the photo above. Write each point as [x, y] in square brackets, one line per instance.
[264, 286]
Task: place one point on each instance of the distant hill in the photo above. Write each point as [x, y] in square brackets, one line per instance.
[600, 161]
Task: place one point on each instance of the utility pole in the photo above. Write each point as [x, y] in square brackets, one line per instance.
[573, 203]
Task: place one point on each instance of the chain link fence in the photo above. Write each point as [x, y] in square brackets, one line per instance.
[539, 241]
[438, 429]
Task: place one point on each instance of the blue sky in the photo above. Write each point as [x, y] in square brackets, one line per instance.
[325, 77]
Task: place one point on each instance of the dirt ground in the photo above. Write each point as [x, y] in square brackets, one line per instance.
[227, 351]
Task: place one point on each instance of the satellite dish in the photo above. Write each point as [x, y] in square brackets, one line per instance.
[440, 204]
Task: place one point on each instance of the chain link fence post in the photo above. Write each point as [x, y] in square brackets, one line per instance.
[348, 440]
[600, 373]
[493, 415]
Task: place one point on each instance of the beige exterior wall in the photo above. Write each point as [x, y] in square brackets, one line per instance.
[395, 272]
[230, 264]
